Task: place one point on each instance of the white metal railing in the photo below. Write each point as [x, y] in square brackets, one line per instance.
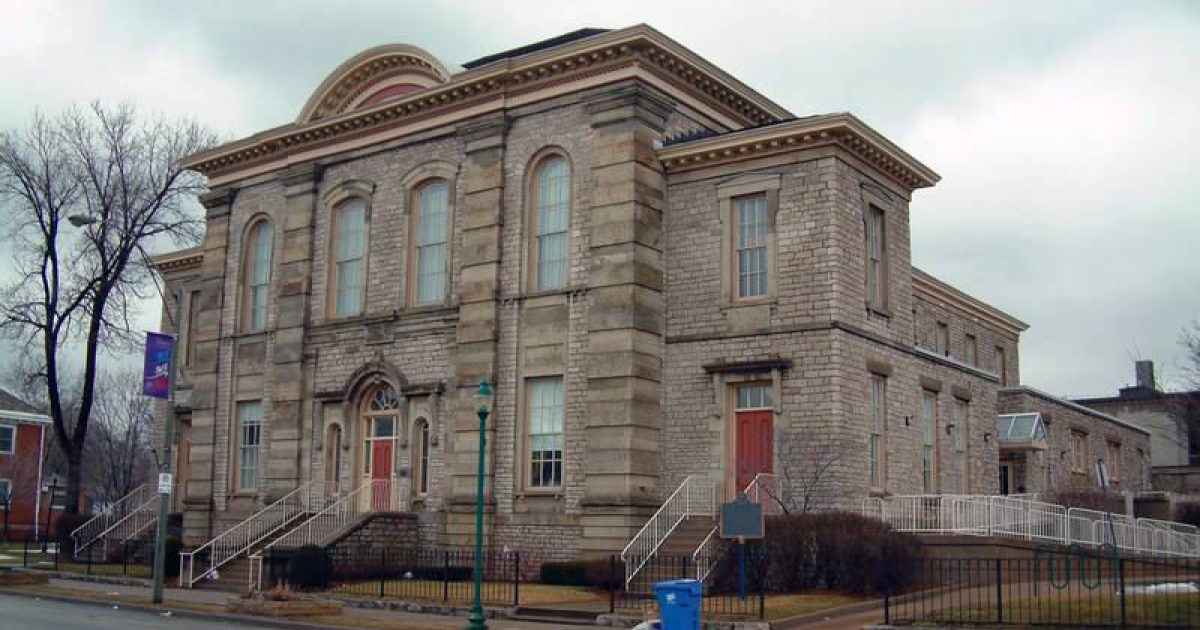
[764, 489]
[95, 528]
[381, 495]
[1025, 518]
[129, 528]
[307, 499]
[695, 496]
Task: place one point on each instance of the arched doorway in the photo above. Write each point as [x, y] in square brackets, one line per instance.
[379, 427]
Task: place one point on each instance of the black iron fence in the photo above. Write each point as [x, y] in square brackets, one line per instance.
[1053, 588]
[133, 558]
[733, 589]
[435, 575]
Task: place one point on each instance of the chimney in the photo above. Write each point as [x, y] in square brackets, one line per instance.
[1145, 374]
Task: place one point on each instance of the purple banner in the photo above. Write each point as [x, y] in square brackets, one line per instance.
[155, 374]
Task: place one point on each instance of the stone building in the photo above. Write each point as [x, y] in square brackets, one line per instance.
[662, 272]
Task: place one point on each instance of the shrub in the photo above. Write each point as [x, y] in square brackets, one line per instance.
[832, 550]
[1188, 513]
[64, 524]
[310, 568]
[171, 558]
[593, 573]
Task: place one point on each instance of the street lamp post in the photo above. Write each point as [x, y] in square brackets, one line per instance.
[477, 621]
[52, 489]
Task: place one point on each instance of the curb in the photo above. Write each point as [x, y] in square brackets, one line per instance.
[183, 613]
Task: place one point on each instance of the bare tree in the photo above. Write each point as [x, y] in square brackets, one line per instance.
[1189, 338]
[806, 481]
[119, 182]
[118, 451]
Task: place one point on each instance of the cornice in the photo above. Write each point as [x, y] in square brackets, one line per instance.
[498, 83]
[178, 260]
[843, 130]
[931, 287]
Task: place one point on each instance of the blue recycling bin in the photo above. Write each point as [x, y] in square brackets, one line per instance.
[679, 601]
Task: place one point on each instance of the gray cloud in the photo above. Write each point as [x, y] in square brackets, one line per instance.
[1065, 131]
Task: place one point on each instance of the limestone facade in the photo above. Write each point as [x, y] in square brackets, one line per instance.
[646, 336]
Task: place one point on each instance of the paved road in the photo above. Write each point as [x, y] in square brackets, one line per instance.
[27, 613]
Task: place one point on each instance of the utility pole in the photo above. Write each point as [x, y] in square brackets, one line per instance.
[166, 461]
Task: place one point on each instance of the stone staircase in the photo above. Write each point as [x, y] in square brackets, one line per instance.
[234, 576]
[674, 557]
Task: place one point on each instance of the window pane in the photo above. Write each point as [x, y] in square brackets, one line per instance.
[752, 230]
[8, 436]
[553, 220]
[755, 397]
[385, 427]
[250, 420]
[430, 242]
[545, 432]
[349, 246]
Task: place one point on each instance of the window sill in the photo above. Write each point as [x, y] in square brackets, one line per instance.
[751, 301]
[541, 495]
[881, 311]
[537, 293]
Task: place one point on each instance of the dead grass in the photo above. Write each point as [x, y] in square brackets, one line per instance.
[776, 606]
[461, 593]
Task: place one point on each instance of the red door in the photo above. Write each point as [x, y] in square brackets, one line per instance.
[755, 445]
[381, 475]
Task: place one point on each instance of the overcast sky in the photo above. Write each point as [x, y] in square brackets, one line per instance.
[1066, 133]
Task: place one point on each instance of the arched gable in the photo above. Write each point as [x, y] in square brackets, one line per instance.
[371, 77]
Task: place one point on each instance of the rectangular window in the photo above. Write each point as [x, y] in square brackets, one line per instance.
[755, 397]
[971, 350]
[349, 251]
[928, 440]
[876, 234]
[960, 478]
[58, 501]
[1002, 365]
[260, 276]
[249, 436]
[752, 230]
[8, 439]
[193, 324]
[5, 492]
[876, 410]
[1078, 452]
[942, 339]
[545, 432]
[1113, 461]
[431, 243]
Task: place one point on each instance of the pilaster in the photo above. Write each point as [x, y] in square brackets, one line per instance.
[477, 332]
[625, 324]
[291, 410]
[198, 494]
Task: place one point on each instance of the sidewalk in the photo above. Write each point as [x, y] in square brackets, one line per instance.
[210, 604]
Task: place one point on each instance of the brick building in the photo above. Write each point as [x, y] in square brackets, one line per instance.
[663, 273]
[23, 439]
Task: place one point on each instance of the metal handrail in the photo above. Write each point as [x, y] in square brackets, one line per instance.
[1015, 517]
[693, 497]
[257, 527]
[91, 531]
[380, 495]
[127, 528]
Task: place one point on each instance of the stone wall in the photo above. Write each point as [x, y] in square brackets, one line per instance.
[1062, 418]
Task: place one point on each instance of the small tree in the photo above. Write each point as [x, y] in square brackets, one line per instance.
[82, 196]
[806, 480]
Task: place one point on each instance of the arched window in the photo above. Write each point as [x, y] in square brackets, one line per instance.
[429, 242]
[551, 220]
[420, 456]
[257, 276]
[349, 257]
